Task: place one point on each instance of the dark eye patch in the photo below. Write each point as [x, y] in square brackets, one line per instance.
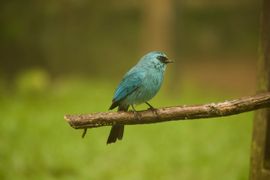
[162, 59]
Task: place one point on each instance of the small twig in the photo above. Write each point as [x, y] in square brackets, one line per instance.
[84, 132]
[210, 110]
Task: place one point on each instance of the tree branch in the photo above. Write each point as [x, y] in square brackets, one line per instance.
[210, 110]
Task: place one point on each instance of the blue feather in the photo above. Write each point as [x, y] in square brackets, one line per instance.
[130, 82]
[140, 84]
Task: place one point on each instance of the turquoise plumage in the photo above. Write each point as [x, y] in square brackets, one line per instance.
[140, 84]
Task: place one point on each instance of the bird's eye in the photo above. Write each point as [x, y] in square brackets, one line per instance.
[162, 59]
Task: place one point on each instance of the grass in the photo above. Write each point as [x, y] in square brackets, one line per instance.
[36, 142]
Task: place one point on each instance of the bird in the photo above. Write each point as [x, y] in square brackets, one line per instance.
[140, 84]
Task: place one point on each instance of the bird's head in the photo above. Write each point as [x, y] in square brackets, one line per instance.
[156, 59]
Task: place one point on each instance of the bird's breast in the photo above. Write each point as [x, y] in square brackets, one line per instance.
[147, 90]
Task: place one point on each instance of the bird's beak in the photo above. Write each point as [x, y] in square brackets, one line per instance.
[169, 61]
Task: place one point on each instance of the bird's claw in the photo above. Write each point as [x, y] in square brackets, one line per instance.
[137, 115]
[152, 109]
[155, 112]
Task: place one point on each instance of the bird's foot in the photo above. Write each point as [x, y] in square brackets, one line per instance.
[136, 114]
[154, 110]
[150, 106]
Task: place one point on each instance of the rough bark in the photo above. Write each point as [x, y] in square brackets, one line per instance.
[210, 110]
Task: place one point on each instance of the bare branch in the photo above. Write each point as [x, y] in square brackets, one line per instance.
[210, 110]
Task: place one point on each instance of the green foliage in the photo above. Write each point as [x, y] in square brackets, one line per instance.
[32, 81]
[36, 142]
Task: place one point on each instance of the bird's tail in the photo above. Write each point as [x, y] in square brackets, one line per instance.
[117, 130]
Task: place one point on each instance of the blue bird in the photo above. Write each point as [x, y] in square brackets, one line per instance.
[140, 84]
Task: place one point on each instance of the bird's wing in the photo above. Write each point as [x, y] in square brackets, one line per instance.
[131, 81]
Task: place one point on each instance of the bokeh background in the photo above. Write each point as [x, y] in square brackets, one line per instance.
[63, 57]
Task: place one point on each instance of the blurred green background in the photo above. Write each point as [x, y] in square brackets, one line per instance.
[65, 57]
